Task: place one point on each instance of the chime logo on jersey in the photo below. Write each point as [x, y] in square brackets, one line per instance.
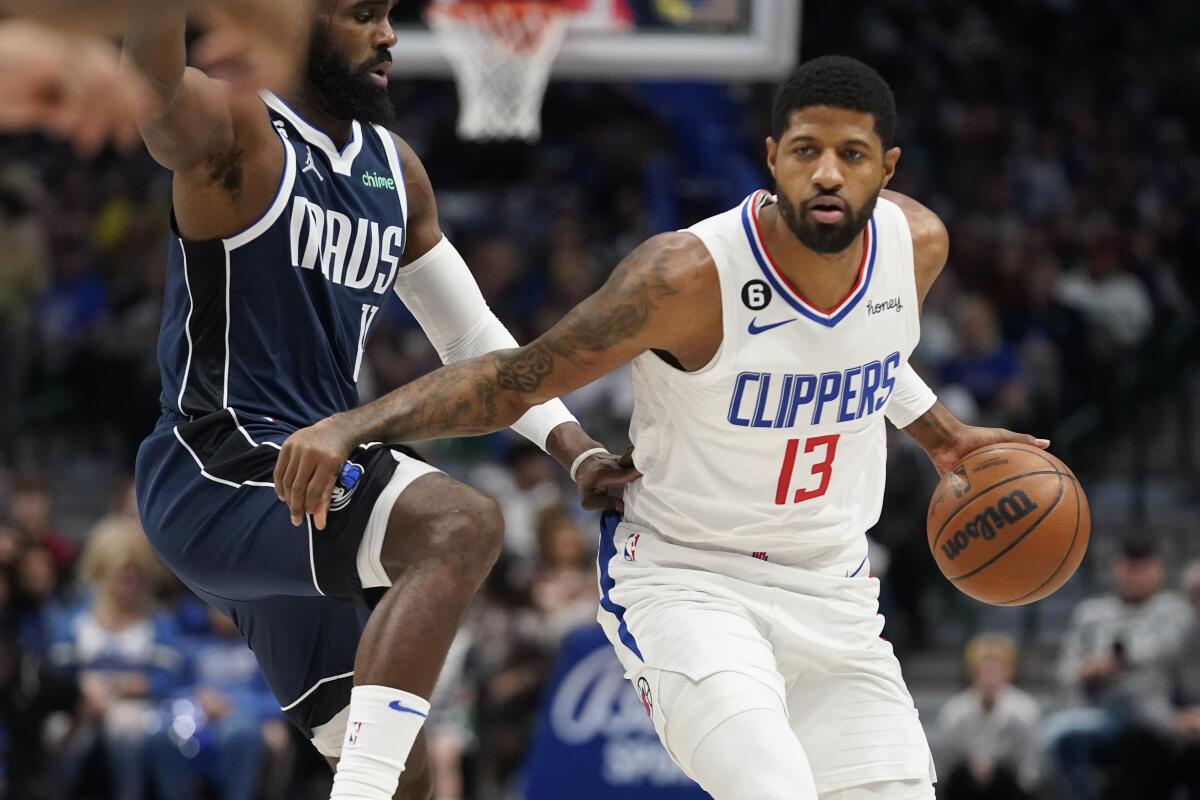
[350, 252]
[773, 400]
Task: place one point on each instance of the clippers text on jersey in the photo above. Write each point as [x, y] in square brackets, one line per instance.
[768, 400]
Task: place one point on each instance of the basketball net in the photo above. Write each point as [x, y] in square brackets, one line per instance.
[501, 52]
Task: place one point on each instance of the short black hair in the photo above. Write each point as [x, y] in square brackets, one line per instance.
[839, 82]
[1138, 547]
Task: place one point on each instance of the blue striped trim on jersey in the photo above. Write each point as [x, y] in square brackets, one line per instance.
[608, 551]
[783, 286]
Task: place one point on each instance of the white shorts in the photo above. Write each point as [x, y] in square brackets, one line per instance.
[813, 638]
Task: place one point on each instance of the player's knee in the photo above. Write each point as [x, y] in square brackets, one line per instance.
[473, 532]
[463, 534]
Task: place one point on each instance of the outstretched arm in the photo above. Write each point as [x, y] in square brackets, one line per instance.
[69, 85]
[440, 290]
[650, 301]
[58, 74]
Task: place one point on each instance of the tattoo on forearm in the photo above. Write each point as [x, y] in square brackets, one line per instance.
[463, 399]
[620, 310]
[524, 370]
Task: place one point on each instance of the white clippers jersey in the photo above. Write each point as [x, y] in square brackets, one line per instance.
[776, 448]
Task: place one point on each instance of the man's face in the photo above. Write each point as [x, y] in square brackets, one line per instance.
[829, 167]
[1137, 579]
[349, 57]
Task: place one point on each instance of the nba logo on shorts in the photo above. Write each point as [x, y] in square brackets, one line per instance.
[643, 687]
[352, 736]
[631, 546]
[347, 482]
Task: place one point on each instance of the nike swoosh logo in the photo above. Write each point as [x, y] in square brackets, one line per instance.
[396, 705]
[757, 329]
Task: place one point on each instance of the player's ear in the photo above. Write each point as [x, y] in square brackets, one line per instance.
[772, 152]
[890, 157]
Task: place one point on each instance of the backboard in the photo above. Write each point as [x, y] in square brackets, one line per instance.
[631, 39]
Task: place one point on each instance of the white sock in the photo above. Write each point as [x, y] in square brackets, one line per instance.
[380, 732]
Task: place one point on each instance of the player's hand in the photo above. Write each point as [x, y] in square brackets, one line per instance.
[254, 44]
[967, 439]
[69, 85]
[602, 479]
[308, 467]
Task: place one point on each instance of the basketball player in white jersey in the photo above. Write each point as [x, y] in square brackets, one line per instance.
[768, 344]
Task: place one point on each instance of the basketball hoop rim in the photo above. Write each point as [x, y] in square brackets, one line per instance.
[462, 10]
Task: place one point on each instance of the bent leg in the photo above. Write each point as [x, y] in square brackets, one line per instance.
[441, 540]
[730, 733]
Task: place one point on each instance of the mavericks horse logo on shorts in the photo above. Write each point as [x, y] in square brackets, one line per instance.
[344, 488]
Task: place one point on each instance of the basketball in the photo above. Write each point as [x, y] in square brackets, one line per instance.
[1009, 524]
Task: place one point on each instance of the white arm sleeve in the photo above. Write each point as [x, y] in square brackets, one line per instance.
[910, 398]
[442, 294]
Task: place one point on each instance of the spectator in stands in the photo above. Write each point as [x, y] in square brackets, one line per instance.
[526, 487]
[1047, 334]
[1187, 689]
[31, 691]
[987, 733]
[449, 729]
[125, 656]
[36, 597]
[223, 729]
[985, 365]
[10, 545]
[564, 588]
[1114, 301]
[23, 273]
[31, 511]
[1116, 661]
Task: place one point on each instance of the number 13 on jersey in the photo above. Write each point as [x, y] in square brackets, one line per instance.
[826, 449]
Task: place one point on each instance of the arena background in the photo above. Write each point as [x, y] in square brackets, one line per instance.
[1058, 140]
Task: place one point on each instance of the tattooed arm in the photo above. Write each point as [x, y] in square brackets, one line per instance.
[664, 295]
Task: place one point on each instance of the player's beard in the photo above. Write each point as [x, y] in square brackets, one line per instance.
[824, 237]
[347, 92]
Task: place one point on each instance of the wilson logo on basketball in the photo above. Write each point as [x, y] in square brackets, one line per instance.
[1011, 508]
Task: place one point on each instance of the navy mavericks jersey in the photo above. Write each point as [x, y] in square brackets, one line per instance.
[273, 321]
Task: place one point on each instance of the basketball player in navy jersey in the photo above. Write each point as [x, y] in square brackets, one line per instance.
[294, 217]
[768, 343]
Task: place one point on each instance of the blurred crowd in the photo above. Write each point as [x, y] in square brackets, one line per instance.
[1123, 721]
[1057, 139]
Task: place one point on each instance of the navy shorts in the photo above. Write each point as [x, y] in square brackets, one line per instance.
[206, 497]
